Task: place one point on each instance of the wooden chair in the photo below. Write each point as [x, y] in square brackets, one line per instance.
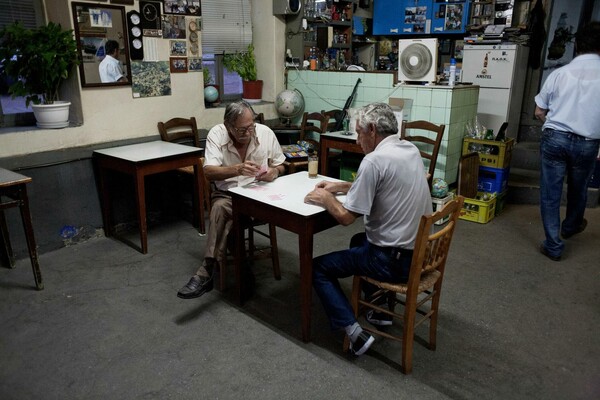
[313, 124]
[185, 131]
[254, 252]
[331, 118]
[468, 175]
[260, 118]
[421, 294]
[428, 147]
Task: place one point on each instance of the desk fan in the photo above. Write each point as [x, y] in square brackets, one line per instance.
[417, 60]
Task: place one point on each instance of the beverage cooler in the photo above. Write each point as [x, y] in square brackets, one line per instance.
[500, 71]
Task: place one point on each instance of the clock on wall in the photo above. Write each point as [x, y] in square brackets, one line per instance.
[134, 34]
[151, 20]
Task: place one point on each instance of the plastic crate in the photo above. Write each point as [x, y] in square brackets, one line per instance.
[500, 202]
[491, 153]
[492, 180]
[479, 210]
[349, 166]
[595, 179]
[438, 204]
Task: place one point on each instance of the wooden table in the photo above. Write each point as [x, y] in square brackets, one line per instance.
[13, 186]
[336, 140]
[139, 160]
[281, 202]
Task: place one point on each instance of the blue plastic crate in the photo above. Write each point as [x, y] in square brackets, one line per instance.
[492, 179]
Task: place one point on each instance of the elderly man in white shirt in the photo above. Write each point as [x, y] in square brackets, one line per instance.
[237, 152]
[568, 107]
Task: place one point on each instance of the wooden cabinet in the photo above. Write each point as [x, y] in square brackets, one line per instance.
[410, 17]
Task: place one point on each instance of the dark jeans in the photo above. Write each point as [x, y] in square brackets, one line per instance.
[564, 154]
[362, 258]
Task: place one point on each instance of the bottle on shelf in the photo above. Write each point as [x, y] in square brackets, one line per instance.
[452, 75]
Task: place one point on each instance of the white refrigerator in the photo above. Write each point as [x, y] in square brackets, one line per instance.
[500, 71]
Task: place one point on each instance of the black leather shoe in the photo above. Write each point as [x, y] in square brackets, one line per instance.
[545, 252]
[196, 287]
[580, 229]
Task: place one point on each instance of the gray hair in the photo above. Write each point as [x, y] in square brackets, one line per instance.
[235, 110]
[380, 115]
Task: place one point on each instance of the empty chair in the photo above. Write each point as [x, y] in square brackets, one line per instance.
[185, 131]
[429, 145]
[313, 124]
[331, 119]
[420, 296]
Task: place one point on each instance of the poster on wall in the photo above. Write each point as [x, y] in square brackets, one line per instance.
[560, 46]
[150, 79]
[416, 16]
[183, 7]
[173, 27]
[454, 15]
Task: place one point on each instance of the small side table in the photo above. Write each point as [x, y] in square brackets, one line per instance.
[13, 186]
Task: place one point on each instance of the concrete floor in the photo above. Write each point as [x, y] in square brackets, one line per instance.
[513, 324]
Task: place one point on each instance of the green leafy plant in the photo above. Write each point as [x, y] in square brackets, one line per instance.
[208, 79]
[37, 60]
[243, 63]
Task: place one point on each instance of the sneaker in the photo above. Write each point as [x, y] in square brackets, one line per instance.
[196, 287]
[378, 318]
[361, 344]
[580, 229]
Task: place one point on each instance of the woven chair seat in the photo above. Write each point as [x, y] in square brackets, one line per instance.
[427, 281]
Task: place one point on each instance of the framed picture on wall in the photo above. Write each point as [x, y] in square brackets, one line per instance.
[178, 48]
[183, 7]
[178, 64]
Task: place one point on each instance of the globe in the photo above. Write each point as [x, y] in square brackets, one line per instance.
[289, 104]
[439, 188]
[211, 94]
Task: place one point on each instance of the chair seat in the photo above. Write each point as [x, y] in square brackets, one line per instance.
[427, 281]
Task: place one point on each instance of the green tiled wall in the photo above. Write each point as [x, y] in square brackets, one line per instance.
[454, 107]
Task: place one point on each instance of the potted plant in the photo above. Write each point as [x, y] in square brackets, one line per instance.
[37, 61]
[244, 64]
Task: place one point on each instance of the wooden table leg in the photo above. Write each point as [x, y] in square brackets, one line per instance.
[140, 197]
[4, 236]
[105, 201]
[239, 246]
[305, 247]
[26, 217]
[199, 199]
[324, 157]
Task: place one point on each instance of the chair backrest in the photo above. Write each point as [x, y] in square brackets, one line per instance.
[431, 248]
[429, 147]
[180, 130]
[313, 124]
[260, 118]
[331, 118]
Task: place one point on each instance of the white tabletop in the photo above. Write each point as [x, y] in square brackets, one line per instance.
[147, 151]
[286, 192]
[346, 135]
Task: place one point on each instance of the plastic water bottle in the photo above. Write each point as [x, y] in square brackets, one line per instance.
[452, 77]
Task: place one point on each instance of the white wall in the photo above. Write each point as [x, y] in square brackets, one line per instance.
[111, 114]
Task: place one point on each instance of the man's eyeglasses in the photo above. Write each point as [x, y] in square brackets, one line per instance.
[244, 130]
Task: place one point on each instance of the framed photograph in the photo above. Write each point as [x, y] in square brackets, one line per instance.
[194, 64]
[173, 27]
[178, 64]
[182, 7]
[178, 48]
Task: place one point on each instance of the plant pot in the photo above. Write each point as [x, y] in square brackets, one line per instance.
[252, 91]
[50, 116]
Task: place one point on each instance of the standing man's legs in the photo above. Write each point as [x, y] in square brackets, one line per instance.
[553, 151]
[581, 166]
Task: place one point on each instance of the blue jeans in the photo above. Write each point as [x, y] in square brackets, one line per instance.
[564, 154]
[362, 258]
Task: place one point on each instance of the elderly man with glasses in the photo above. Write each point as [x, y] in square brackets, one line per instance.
[238, 151]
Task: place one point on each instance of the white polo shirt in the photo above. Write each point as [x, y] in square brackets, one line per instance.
[571, 94]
